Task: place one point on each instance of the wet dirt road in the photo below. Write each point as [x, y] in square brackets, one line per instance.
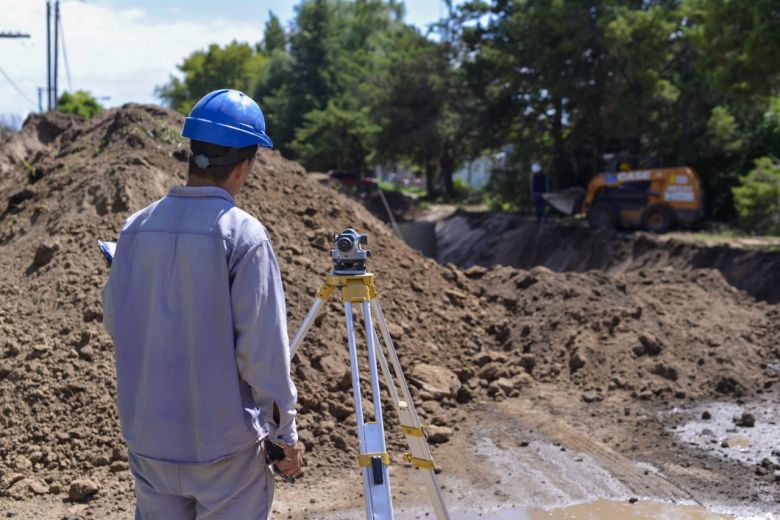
[519, 460]
[516, 461]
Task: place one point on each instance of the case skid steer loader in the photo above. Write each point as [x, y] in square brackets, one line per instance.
[655, 199]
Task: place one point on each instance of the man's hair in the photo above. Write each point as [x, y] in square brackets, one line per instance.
[215, 162]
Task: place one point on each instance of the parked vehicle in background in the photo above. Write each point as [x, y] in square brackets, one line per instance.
[349, 178]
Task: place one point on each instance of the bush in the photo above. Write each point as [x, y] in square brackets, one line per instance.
[510, 188]
[757, 199]
[80, 103]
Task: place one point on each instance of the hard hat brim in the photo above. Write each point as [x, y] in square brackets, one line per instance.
[224, 135]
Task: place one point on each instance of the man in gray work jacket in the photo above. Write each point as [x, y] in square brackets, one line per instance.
[195, 305]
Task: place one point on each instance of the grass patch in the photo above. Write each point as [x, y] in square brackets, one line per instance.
[414, 192]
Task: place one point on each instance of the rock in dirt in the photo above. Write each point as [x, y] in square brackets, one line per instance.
[438, 434]
[746, 420]
[82, 488]
[648, 346]
[43, 255]
[87, 353]
[5, 369]
[437, 380]
[8, 480]
[118, 466]
[37, 487]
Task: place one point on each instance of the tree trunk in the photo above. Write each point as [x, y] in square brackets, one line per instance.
[559, 151]
[447, 168]
[430, 174]
[685, 138]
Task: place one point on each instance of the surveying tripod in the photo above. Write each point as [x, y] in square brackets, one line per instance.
[357, 288]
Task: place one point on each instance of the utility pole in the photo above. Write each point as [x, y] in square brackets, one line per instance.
[48, 55]
[56, 50]
[52, 52]
[40, 99]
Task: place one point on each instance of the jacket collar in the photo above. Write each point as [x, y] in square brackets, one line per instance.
[200, 191]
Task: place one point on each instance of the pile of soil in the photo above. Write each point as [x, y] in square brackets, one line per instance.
[491, 239]
[652, 336]
[462, 335]
[58, 421]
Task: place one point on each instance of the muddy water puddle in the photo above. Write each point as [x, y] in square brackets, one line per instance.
[603, 510]
[610, 510]
[540, 480]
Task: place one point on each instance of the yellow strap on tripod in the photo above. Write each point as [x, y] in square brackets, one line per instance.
[412, 431]
[364, 459]
[324, 292]
[420, 463]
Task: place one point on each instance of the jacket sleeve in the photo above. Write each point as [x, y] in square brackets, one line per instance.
[260, 327]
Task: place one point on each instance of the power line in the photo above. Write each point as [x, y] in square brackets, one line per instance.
[16, 87]
[65, 54]
[13, 35]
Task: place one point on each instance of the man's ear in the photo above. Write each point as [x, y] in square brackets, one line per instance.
[242, 170]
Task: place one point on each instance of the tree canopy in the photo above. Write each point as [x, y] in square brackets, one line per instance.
[350, 85]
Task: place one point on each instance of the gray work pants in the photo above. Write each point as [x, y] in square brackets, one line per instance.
[237, 488]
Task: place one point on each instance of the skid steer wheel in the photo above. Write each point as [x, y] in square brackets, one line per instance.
[658, 218]
[602, 216]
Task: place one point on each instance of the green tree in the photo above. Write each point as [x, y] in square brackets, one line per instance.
[741, 44]
[81, 103]
[335, 138]
[757, 198]
[274, 37]
[309, 75]
[539, 67]
[334, 68]
[236, 65]
[409, 110]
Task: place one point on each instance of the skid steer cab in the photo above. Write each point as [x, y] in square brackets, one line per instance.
[656, 199]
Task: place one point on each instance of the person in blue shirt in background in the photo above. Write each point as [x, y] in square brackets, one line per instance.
[195, 305]
[540, 185]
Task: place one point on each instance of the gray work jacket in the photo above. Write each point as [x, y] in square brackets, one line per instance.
[195, 305]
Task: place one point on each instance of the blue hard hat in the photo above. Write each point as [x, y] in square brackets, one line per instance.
[227, 118]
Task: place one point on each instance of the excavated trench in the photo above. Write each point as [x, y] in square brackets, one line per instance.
[491, 239]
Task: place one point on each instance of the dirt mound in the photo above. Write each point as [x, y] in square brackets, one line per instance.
[57, 413]
[491, 239]
[679, 334]
[461, 335]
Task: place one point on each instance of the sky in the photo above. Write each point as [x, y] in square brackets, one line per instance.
[119, 50]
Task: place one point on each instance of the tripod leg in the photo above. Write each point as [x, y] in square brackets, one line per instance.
[386, 369]
[373, 454]
[322, 296]
[419, 451]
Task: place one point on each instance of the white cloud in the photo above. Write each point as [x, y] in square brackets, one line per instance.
[121, 53]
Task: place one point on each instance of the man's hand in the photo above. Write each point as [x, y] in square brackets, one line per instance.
[293, 459]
